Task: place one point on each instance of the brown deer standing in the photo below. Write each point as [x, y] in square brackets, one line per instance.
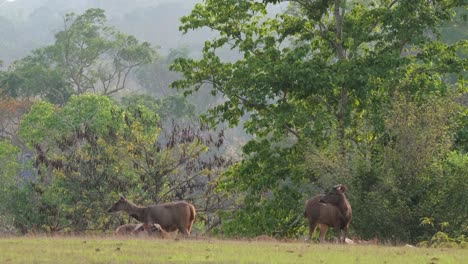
[311, 206]
[333, 210]
[170, 216]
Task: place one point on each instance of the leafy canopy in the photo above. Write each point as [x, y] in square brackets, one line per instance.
[317, 79]
[87, 56]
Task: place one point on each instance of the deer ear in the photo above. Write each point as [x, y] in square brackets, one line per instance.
[342, 188]
[122, 197]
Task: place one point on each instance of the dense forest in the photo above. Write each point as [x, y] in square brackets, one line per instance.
[244, 108]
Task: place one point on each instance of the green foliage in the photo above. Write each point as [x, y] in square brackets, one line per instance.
[92, 149]
[84, 60]
[155, 78]
[353, 92]
[448, 200]
[9, 164]
[408, 178]
[344, 91]
[87, 56]
[33, 76]
[98, 113]
[455, 30]
[462, 133]
[274, 187]
[8, 181]
[18, 191]
[35, 125]
[441, 239]
[78, 163]
[169, 107]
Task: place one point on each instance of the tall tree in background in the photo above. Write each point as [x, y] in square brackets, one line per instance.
[11, 111]
[87, 56]
[316, 83]
[155, 78]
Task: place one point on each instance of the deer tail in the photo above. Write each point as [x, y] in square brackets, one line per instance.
[192, 213]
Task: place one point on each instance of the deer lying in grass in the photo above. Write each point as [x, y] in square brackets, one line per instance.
[170, 216]
[135, 229]
[128, 229]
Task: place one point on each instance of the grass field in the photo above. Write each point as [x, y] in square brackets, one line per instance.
[141, 250]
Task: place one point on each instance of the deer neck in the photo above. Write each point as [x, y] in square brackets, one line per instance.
[344, 205]
[135, 210]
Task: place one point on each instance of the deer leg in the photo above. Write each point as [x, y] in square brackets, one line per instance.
[162, 233]
[312, 226]
[323, 232]
[157, 227]
[189, 227]
[338, 235]
[137, 227]
[148, 227]
[184, 231]
[345, 234]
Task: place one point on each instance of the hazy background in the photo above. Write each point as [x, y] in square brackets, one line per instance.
[30, 24]
[26, 25]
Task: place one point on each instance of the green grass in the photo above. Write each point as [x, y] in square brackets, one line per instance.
[113, 250]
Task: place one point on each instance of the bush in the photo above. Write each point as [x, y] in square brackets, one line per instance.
[442, 240]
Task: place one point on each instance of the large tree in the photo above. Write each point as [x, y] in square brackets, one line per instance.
[87, 56]
[315, 84]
